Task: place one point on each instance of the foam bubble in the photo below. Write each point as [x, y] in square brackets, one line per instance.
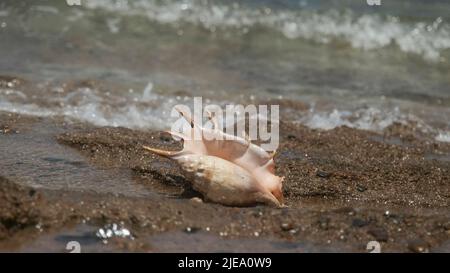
[443, 136]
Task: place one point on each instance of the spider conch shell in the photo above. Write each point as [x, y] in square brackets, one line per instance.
[227, 169]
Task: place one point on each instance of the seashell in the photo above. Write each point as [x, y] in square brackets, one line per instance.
[226, 169]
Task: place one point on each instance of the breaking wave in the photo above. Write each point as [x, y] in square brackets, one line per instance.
[148, 110]
[370, 119]
[88, 105]
[367, 31]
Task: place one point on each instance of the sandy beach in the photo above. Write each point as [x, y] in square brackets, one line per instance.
[343, 188]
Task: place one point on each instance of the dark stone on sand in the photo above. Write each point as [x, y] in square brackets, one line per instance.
[361, 188]
[323, 174]
[358, 222]
[324, 223]
[32, 192]
[291, 137]
[446, 225]
[379, 233]
[418, 246]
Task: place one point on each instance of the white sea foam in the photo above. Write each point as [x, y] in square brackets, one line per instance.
[371, 119]
[443, 136]
[365, 32]
[85, 104]
[153, 112]
[365, 118]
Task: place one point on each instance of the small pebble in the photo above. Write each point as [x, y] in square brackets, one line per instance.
[196, 200]
[380, 234]
[324, 223]
[286, 226]
[258, 213]
[358, 222]
[323, 174]
[361, 188]
[418, 246]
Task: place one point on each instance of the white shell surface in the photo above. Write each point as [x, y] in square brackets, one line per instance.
[222, 181]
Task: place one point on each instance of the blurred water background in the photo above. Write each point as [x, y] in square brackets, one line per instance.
[345, 62]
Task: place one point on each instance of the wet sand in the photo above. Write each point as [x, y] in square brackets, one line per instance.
[343, 187]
